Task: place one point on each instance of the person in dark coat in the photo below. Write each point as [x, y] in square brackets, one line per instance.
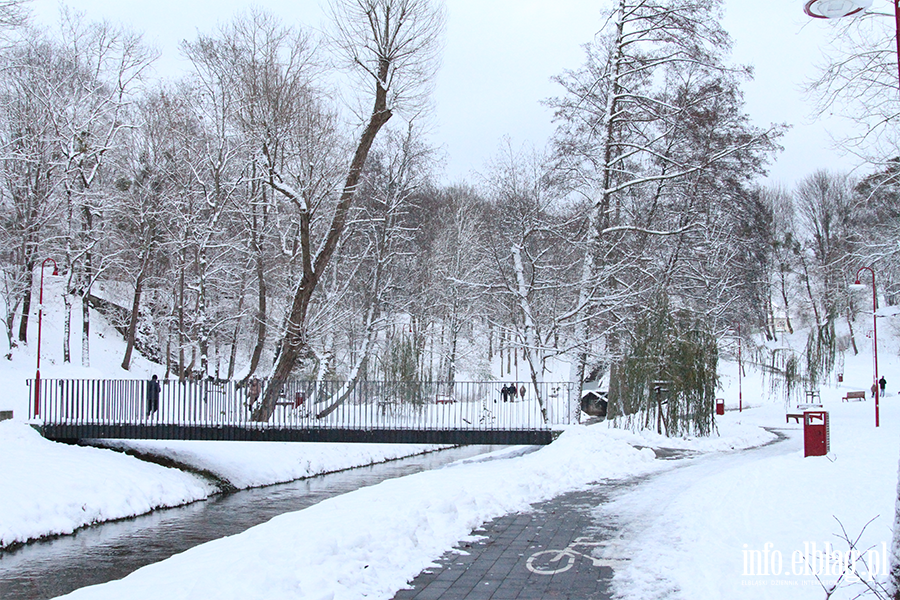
[152, 395]
[882, 383]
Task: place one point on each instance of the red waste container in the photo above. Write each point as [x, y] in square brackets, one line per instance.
[816, 436]
[720, 406]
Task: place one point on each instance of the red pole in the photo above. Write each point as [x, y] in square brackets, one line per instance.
[875, 342]
[897, 34]
[37, 375]
[740, 375]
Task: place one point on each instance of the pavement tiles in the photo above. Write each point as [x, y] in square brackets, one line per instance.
[555, 551]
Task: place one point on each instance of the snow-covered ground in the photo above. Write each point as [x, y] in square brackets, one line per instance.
[48, 488]
[760, 524]
[688, 529]
[727, 523]
[369, 543]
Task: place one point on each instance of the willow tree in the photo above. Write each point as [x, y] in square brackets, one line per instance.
[669, 378]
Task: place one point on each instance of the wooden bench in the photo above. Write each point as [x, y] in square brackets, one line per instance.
[854, 396]
[796, 416]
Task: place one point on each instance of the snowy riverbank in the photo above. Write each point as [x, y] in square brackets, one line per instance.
[368, 543]
[687, 530]
[52, 489]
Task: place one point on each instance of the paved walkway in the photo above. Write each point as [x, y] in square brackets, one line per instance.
[555, 551]
[559, 550]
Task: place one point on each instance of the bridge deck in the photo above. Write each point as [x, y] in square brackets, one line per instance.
[62, 432]
[421, 413]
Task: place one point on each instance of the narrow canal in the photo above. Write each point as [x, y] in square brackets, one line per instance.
[50, 568]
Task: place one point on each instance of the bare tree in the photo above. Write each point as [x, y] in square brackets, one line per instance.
[858, 81]
[652, 113]
[825, 205]
[103, 68]
[379, 250]
[534, 269]
[458, 272]
[30, 171]
[392, 45]
[266, 71]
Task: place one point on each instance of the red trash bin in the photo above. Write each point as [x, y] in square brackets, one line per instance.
[816, 434]
[720, 406]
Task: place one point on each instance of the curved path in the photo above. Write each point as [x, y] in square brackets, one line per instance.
[566, 548]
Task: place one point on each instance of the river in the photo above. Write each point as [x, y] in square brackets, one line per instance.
[49, 568]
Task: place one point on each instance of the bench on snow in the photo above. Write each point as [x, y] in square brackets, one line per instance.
[854, 396]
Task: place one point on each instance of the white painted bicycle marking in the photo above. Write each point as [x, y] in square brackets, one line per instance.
[551, 562]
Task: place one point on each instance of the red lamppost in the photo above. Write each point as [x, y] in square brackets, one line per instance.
[37, 375]
[858, 285]
[835, 9]
[740, 374]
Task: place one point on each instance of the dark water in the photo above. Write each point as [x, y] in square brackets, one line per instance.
[46, 569]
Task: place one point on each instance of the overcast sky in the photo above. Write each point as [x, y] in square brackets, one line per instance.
[500, 55]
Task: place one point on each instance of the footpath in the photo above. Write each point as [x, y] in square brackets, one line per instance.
[562, 549]
[555, 551]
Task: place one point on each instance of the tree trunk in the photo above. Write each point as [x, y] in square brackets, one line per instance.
[852, 335]
[179, 292]
[85, 299]
[261, 317]
[86, 329]
[600, 214]
[787, 309]
[26, 301]
[132, 322]
[67, 328]
[203, 333]
[295, 334]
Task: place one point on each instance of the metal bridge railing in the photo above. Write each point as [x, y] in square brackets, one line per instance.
[301, 404]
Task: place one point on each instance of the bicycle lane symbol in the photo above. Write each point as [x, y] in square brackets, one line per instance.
[551, 562]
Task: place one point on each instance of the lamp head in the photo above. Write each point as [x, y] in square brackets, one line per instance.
[857, 286]
[835, 9]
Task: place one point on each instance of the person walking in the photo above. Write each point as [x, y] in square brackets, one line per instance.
[152, 395]
[253, 390]
[874, 389]
[882, 383]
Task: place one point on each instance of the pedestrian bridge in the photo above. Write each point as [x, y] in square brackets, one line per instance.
[305, 411]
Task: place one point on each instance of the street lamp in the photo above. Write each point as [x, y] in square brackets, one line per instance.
[857, 285]
[740, 373]
[37, 375]
[835, 9]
